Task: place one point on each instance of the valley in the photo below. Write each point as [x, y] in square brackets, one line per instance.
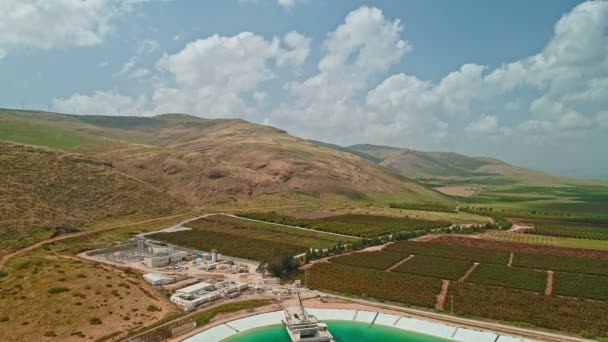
[435, 233]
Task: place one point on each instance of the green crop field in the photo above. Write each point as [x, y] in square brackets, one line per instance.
[382, 285]
[514, 277]
[435, 267]
[380, 260]
[248, 239]
[546, 240]
[229, 244]
[452, 252]
[580, 285]
[271, 232]
[580, 203]
[352, 224]
[561, 263]
[566, 314]
[569, 230]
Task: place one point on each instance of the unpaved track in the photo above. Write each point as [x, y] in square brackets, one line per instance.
[549, 288]
[441, 297]
[510, 259]
[5, 259]
[399, 263]
[468, 273]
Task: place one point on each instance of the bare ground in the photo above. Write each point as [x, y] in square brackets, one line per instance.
[549, 288]
[468, 273]
[441, 297]
[401, 262]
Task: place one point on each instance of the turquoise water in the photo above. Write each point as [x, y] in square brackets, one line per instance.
[343, 331]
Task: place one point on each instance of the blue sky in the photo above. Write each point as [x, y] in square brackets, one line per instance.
[517, 80]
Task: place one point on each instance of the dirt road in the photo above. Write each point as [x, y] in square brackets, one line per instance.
[5, 259]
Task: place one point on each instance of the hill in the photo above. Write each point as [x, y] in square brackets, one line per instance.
[454, 166]
[44, 189]
[202, 161]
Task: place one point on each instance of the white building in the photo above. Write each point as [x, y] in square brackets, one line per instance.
[157, 279]
[196, 288]
[165, 260]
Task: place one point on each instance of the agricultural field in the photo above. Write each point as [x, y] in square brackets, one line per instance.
[580, 285]
[562, 263]
[569, 230]
[546, 240]
[270, 232]
[66, 299]
[451, 252]
[458, 241]
[424, 207]
[367, 226]
[249, 239]
[580, 203]
[381, 285]
[380, 260]
[513, 277]
[566, 314]
[230, 244]
[451, 269]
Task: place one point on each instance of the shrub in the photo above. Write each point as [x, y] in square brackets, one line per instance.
[152, 308]
[56, 290]
[94, 321]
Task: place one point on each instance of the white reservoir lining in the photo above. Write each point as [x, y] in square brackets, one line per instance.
[446, 331]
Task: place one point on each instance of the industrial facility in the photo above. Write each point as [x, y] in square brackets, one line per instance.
[192, 296]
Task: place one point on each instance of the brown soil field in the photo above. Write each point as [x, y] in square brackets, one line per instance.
[522, 247]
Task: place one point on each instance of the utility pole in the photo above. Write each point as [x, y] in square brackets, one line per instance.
[306, 278]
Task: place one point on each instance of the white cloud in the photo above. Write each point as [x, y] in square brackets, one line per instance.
[100, 103]
[212, 74]
[104, 64]
[139, 73]
[287, 4]
[145, 46]
[486, 125]
[298, 48]
[42, 24]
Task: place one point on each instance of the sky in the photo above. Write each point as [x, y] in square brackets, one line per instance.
[522, 81]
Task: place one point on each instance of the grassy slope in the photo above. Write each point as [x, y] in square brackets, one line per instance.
[237, 159]
[43, 189]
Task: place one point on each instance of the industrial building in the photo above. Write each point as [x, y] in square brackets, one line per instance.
[157, 279]
[192, 296]
[162, 259]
